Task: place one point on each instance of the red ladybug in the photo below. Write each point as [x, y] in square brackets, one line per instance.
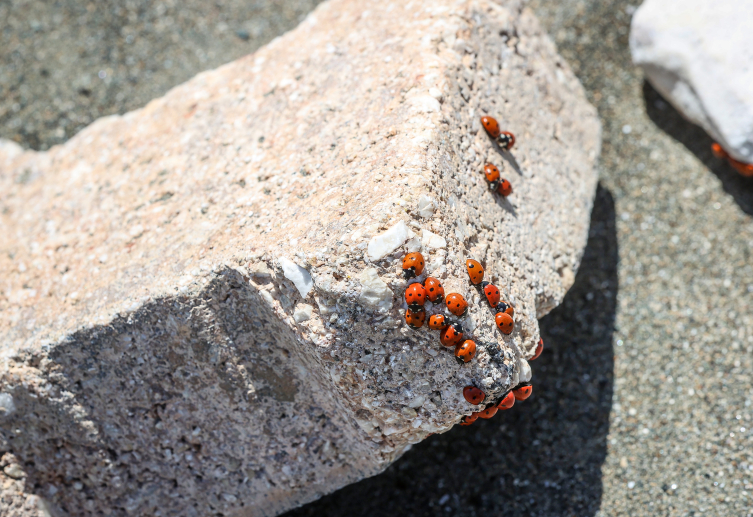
[539, 349]
[415, 319]
[415, 297]
[456, 304]
[523, 391]
[413, 264]
[488, 412]
[473, 395]
[505, 307]
[506, 140]
[492, 293]
[437, 322]
[718, 151]
[504, 188]
[745, 169]
[451, 335]
[475, 271]
[469, 419]
[491, 172]
[504, 322]
[465, 351]
[491, 126]
[508, 401]
[434, 290]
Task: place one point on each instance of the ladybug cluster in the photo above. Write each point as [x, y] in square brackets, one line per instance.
[451, 333]
[416, 295]
[475, 396]
[506, 140]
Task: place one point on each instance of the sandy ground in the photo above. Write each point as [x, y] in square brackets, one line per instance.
[642, 399]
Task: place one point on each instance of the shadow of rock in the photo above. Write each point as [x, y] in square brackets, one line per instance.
[697, 141]
[544, 456]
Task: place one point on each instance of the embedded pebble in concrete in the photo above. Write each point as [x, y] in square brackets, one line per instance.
[298, 275]
[385, 243]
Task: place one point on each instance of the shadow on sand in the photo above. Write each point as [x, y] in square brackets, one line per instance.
[695, 139]
[544, 457]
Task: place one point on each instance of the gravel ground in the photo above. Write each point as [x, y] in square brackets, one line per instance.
[642, 399]
[66, 63]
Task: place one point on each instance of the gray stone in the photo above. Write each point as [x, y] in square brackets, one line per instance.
[154, 265]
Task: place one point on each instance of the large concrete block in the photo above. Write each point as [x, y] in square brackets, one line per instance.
[202, 300]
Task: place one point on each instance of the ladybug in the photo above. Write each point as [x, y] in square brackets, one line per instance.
[718, 151]
[415, 319]
[506, 140]
[413, 265]
[465, 351]
[451, 335]
[523, 391]
[434, 290]
[469, 419]
[744, 169]
[488, 412]
[504, 322]
[508, 401]
[539, 349]
[473, 395]
[492, 293]
[504, 188]
[475, 271]
[415, 297]
[437, 322]
[491, 126]
[505, 307]
[456, 304]
[492, 173]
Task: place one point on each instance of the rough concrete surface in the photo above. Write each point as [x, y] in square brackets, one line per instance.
[699, 56]
[644, 395]
[203, 306]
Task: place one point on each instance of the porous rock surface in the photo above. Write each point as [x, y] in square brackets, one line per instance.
[699, 56]
[202, 303]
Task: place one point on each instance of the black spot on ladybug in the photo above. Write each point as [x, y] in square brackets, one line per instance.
[431, 289]
[470, 266]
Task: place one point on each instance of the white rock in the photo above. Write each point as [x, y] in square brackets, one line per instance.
[302, 312]
[426, 206]
[424, 104]
[14, 471]
[385, 243]
[299, 276]
[374, 292]
[699, 56]
[432, 240]
[413, 244]
[417, 402]
[525, 371]
[7, 406]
